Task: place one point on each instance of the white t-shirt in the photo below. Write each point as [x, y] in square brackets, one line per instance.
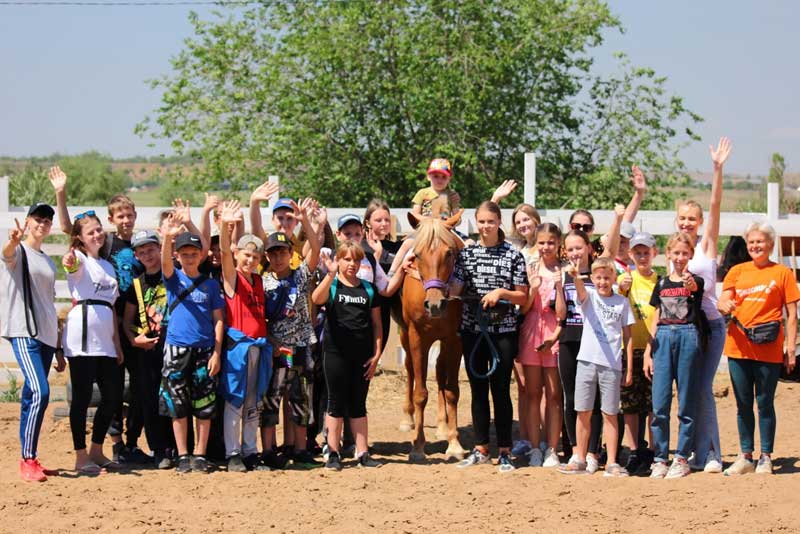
[603, 319]
[378, 278]
[95, 279]
[12, 301]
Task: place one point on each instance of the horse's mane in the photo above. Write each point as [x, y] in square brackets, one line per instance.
[431, 232]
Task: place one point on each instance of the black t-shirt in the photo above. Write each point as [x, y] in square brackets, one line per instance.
[390, 249]
[572, 326]
[119, 253]
[675, 303]
[154, 299]
[349, 319]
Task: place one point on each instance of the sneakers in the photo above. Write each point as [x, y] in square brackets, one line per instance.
[365, 460]
[333, 462]
[476, 457]
[592, 465]
[163, 460]
[573, 467]
[741, 466]
[31, 471]
[521, 448]
[184, 464]
[236, 465]
[504, 464]
[135, 455]
[119, 453]
[251, 461]
[658, 470]
[535, 458]
[325, 452]
[615, 470]
[551, 458]
[304, 460]
[273, 460]
[713, 466]
[199, 464]
[348, 451]
[47, 472]
[764, 466]
[678, 469]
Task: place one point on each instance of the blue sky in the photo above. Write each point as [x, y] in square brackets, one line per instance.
[72, 78]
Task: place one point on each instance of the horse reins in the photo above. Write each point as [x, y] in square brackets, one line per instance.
[482, 316]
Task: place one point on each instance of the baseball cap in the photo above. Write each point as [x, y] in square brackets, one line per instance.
[283, 203]
[627, 230]
[440, 165]
[278, 240]
[43, 209]
[187, 239]
[246, 239]
[143, 237]
[346, 219]
[643, 238]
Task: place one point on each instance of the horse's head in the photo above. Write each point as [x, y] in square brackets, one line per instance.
[435, 248]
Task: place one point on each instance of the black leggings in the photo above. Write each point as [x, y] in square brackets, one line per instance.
[567, 367]
[84, 371]
[133, 416]
[499, 383]
[157, 428]
[344, 378]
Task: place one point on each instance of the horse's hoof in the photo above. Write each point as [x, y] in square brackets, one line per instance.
[453, 453]
[442, 433]
[416, 457]
[406, 427]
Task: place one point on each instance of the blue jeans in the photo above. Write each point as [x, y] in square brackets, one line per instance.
[706, 437]
[747, 376]
[675, 357]
[34, 359]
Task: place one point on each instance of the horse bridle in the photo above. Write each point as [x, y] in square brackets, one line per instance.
[438, 283]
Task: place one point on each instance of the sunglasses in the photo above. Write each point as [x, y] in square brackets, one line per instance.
[582, 227]
[89, 213]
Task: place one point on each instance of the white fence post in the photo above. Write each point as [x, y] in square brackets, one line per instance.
[529, 176]
[274, 180]
[4, 193]
[773, 211]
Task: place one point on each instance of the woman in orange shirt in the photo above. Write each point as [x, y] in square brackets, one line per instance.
[755, 295]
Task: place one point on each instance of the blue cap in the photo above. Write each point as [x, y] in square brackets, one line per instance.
[346, 219]
[283, 203]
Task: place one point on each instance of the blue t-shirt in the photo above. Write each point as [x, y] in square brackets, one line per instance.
[191, 324]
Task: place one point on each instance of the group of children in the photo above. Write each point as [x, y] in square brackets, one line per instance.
[235, 329]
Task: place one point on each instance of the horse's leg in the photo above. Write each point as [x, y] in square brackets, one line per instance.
[407, 420]
[441, 380]
[420, 362]
[451, 352]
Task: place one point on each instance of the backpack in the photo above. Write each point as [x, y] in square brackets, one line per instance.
[370, 289]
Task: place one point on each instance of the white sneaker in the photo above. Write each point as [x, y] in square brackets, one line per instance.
[692, 461]
[741, 466]
[658, 470]
[713, 466]
[535, 458]
[592, 465]
[550, 458]
[476, 457]
[764, 466]
[678, 469]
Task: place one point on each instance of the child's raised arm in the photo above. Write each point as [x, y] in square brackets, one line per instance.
[320, 294]
[612, 241]
[59, 181]
[262, 193]
[573, 269]
[171, 230]
[210, 204]
[503, 190]
[303, 213]
[639, 189]
[230, 216]
[183, 214]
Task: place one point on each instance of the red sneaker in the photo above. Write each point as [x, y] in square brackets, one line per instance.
[48, 472]
[31, 471]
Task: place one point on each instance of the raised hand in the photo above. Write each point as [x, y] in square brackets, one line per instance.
[15, 235]
[211, 202]
[264, 192]
[69, 259]
[638, 179]
[231, 212]
[503, 190]
[329, 261]
[721, 153]
[572, 268]
[181, 211]
[534, 278]
[58, 178]
[619, 210]
[172, 226]
[626, 281]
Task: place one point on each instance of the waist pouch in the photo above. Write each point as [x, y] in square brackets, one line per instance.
[760, 334]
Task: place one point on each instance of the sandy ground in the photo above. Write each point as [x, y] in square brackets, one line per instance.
[400, 497]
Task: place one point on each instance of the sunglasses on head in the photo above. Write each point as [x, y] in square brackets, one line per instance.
[80, 216]
[582, 227]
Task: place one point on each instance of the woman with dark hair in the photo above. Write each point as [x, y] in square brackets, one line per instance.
[27, 301]
[735, 253]
[90, 342]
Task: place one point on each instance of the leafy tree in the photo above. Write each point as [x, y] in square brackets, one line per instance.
[349, 100]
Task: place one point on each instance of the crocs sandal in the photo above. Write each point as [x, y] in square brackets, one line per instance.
[91, 469]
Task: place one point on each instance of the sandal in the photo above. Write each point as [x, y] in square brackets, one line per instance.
[615, 470]
[111, 465]
[90, 469]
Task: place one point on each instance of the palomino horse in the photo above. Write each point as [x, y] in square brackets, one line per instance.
[428, 316]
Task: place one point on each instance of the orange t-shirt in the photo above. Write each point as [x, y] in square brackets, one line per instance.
[760, 295]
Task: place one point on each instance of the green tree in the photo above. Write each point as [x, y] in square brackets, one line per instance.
[349, 100]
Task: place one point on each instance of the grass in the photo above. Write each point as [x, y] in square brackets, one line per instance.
[12, 393]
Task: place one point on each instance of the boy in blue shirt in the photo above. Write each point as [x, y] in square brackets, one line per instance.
[193, 345]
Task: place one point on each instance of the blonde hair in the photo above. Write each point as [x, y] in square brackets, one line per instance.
[119, 202]
[352, 247]
[603, 263]
[763, 228]
[680, 237]
[691, 204]
[528, 210]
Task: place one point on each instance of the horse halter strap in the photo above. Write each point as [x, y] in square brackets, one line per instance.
[434, 283]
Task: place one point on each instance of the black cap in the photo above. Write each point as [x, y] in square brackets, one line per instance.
[43, 209]
[278, 240]
[187, 239]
